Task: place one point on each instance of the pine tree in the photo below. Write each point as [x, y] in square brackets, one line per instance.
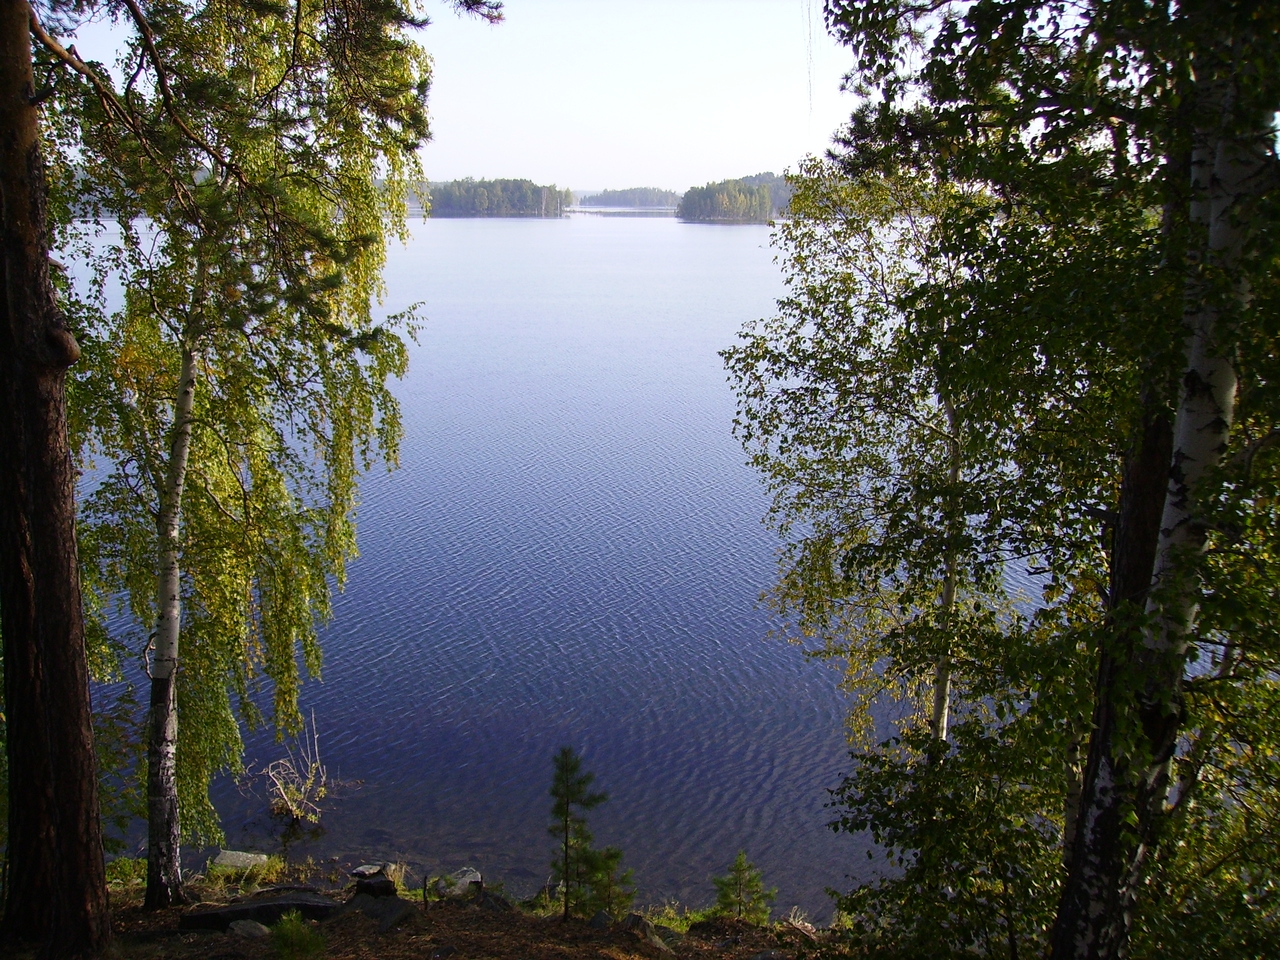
[741, 892]
[571, 789]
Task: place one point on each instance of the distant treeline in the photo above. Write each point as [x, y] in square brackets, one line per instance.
[497, 198]
[754, 199]
[635, 197]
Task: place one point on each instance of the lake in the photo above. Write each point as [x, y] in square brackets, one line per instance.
[572, 553]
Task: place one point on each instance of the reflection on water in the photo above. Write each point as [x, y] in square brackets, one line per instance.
[571, 553]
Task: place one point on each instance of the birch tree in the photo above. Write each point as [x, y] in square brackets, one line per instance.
[242, 389]
[1064, 115]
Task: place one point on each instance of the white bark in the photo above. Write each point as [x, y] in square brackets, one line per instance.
[1227, 175]
[164, 878]
[940, 716]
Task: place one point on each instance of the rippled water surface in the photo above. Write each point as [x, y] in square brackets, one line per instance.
[571, 553]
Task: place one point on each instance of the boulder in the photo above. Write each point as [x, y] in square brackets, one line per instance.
[488, 900]
[376, 886]
[266, 910]
[239, 859]
[669, 935]
[251, 929]
[387, 911]
[601, 921]
[466, 882]
[368, 870]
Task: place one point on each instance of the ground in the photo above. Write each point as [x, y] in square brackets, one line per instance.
[458, 932]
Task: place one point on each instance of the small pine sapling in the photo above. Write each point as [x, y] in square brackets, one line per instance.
[611, 888]
[571, 790]
[741, 892]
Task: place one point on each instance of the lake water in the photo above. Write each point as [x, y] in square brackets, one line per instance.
[571, 553]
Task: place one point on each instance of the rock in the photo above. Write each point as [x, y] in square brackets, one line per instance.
[487, 900]
[376, 886]
[388, 911]
[249, 928]
[367, 870]
[467, 881]
[266, 910]
[668, 935]
[601, 921]
[643, 929]
[636, 924]
[239, 859]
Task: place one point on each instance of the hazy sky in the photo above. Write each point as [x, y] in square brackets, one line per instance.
[619, 93]
[592, 94]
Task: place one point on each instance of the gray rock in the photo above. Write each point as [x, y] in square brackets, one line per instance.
[668, 935]
[466, 880]
[239, 859]
[251, 929]
[601, 921]
[266, 910]
[367, 870]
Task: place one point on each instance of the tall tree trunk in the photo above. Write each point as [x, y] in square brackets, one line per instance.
[164, 868]
[939, 717]
[1141, 674]
[1092, 920]
[56, 886]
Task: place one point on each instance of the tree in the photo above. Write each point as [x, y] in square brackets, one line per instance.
[242, 388]
[741, 892]
[55, 885]
[575, 864]
[1128, 142]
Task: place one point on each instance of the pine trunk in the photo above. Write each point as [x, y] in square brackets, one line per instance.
[55, 888]
[164, 868]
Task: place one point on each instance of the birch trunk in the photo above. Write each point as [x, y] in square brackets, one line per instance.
[939, 717]
[164, 873]
[1141, 675]
[55, 887]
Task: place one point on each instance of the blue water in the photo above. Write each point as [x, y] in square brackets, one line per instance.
[571, 553]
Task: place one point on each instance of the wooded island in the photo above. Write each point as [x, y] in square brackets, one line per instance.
[496, 198]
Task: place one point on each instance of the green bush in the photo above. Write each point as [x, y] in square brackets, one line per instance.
[127, 870]
[295, 939]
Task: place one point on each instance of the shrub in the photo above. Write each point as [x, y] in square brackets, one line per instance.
[295, 939]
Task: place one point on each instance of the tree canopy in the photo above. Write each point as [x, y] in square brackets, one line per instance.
[1025, 329]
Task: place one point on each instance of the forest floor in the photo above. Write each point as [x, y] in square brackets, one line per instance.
[456, 931]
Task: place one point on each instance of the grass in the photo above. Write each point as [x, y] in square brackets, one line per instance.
[295, 939]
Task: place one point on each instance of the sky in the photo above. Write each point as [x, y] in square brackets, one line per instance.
[609, 94]
[593, 94]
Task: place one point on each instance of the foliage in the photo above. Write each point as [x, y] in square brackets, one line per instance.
[589, 879]
[741, 892]
[252, 234]
[1005, 237]
[497, 198]
[127, 870]
[634, 197]
[729, 200]
[292, 938]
